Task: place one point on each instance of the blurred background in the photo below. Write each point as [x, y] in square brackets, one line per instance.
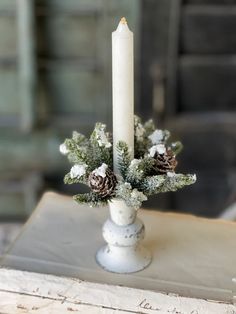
[55, 76]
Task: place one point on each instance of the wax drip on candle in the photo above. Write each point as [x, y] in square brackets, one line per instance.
[123, 20]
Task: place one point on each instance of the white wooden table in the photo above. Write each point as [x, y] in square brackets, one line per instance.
[8, 233]
[192, 271]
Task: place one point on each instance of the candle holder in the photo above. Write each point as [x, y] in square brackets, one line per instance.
[123, 232]
[151, 171]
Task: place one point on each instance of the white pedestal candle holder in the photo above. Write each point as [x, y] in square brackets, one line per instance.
[123, 232]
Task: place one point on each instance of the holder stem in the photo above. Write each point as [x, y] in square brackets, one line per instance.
[123, 233]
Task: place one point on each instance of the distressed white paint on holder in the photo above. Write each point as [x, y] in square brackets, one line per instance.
[123, 232]
[25, 292]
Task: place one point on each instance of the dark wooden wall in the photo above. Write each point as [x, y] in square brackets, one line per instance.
[55, 76]
[194, 48]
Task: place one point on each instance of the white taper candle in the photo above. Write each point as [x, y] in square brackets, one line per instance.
[123, 88]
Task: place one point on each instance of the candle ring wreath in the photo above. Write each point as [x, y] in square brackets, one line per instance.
[152, 170]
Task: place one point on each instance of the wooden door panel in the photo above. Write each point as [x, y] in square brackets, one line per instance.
[69, 5]
[18, 195]
[212, 2]
[54, 81]
[208, 29]
[212, 150]
[77, 38]
[75, 79]
[38, 151]
[8, 37]
[209, 140]
[9, 100]
[207, 197]
[8, 4]
[74, 91]
[12, 205]
[207, 83]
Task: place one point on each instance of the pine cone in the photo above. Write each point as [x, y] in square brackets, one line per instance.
[165, 162]
[103, 186]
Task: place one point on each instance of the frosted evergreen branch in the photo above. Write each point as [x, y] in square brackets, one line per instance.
[69, 180]
[100, 148]
[99, 136]
[91, 199]
[149, 127]
[176, 182]
[138, 170]
[166, 135]
[166, 183]
[77, 154]
[151, 185]
[132, 197]
[123, 157]
[141, 140]
[98, 155]
[176, 147]
[79, 139]
[150, 172]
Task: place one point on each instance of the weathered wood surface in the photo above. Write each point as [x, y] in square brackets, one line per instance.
[8, 233]
[172, 58]
[203, 129]
[207, 83]
[184, 262]
[227, 2]
[208, 29]
[19, 196]
[155, 18]
[229, 213]
[35, 152]
[209, 150]
[27, 63]
[24, 292]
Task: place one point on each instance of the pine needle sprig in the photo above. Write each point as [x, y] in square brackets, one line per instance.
[68, 180]
[138, 170]
[77, 154]
[91, 199]
[79, 139]
[152, 184]
[149, 126]
[176, 147]
[176, 182]
[100, 148]
[130, 195]
[124, 158]
[141, 133]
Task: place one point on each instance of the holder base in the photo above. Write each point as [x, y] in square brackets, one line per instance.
[123, 259]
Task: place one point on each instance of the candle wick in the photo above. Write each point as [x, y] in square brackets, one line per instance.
[123, 20]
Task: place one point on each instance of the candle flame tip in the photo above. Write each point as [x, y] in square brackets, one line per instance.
[123, 20]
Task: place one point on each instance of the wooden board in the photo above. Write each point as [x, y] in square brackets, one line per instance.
[19, 195]
[25, 153]
[24, 292]
[208, 29]
[192, 257]
[8, 44]
[207, 83]
[209, 150]
[8, 233]
[212, 2]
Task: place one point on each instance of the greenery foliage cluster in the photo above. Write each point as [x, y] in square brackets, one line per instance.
[137, 179]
